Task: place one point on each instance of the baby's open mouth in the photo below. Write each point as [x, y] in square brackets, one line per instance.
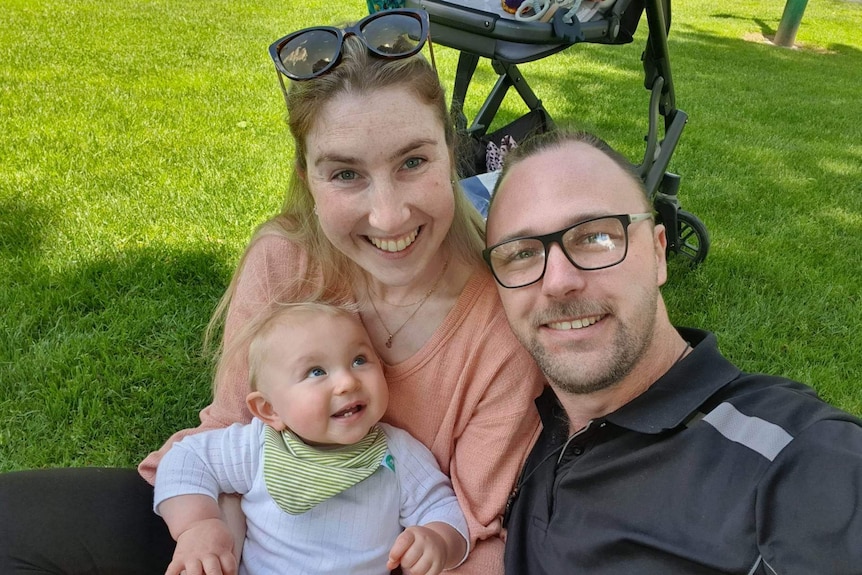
[348, 411]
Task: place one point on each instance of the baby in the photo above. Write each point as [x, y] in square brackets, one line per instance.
[326, 487]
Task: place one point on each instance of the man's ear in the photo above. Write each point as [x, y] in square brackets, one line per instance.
[262, 409]
[660, 243]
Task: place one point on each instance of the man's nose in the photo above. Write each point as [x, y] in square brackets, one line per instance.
[561, 276]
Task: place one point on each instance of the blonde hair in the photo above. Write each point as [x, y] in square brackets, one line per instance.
[254, 335]
[331, 274]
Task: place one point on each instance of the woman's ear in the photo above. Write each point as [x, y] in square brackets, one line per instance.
[262, 409]
[300, 172]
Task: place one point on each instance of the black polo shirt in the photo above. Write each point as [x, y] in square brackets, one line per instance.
[709, 471]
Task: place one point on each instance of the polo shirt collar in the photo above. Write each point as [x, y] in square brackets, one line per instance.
[678, 395]
[670, 401]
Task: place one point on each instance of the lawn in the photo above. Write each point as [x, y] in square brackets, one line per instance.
[142, 141]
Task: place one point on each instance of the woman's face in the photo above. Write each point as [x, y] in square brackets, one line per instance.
[379, 171]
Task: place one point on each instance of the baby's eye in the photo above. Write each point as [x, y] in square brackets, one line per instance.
[413, 163]
[316, 372]
[359, 360]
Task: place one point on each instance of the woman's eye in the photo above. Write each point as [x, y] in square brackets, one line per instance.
[316, 372]
[359, 360]
[413, 163]
[346, 175]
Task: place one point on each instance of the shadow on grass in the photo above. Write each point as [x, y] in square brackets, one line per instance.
[21, 229]
[765, 29]
[116, 346]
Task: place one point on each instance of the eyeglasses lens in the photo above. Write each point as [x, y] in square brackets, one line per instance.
[310, 52]
[596, 244]
[393, 35]
[518, 262]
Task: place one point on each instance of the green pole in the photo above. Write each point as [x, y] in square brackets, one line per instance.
[789, 25]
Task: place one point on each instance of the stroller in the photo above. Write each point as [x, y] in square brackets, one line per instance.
[478, 29]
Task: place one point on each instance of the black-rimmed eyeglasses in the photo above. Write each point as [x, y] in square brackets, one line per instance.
[593, 244]
[311, 52]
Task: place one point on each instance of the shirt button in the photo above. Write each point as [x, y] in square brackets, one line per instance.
[577, 450]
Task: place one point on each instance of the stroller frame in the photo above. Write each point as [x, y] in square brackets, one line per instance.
[506, 43]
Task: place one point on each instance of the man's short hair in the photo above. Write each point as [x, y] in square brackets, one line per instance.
[557, 138]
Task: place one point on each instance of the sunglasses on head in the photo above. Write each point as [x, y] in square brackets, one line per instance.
[312, 52]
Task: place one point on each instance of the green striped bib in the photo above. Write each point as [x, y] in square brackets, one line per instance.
[298, 476]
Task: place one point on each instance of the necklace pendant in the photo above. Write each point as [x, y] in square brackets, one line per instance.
[419, 305]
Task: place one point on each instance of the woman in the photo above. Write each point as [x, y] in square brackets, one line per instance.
[373, 217]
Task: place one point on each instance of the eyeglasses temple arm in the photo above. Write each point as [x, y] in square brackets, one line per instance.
[283, 87]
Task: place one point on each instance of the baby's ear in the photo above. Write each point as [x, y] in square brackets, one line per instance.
[262, 409]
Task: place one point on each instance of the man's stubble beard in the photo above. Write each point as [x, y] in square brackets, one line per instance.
[629, 345]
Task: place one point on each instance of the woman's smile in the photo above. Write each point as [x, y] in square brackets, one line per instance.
[394, 244]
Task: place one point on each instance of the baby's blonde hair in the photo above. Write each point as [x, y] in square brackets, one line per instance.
[253, 337]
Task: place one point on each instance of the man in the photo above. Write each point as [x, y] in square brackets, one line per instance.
[657, 454]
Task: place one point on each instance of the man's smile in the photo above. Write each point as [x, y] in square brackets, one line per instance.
[574, 323]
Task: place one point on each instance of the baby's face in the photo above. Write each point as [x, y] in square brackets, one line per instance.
[323, 380]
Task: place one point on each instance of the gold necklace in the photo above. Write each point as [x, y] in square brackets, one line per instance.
[421, 302]
[390, 304]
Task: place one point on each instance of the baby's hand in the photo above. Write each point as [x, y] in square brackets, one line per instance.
[205, 548]
[419, 550]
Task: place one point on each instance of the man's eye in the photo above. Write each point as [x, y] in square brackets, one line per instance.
[413, 163]
[518, 255]
[597, 239]
[524, 254]
[316, 372]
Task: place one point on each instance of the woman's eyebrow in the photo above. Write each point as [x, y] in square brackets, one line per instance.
[339, 158]
[413, 145]
[335, 158]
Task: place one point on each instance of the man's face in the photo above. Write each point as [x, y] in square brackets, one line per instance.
[587, 330]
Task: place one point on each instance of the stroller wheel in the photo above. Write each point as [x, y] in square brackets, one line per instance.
[693, 238]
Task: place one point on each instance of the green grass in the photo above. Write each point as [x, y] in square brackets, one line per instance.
[141, 142]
